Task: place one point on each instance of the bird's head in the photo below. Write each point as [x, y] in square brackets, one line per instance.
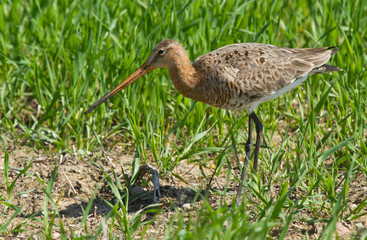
[164, 55]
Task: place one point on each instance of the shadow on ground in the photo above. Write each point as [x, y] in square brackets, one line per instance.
[177, 196]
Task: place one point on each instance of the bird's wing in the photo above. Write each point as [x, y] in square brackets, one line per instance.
[260, 69]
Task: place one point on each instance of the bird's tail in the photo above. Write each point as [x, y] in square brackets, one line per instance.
[333, 50]
[325, 69]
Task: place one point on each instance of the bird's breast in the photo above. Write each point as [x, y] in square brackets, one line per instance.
[220, 90]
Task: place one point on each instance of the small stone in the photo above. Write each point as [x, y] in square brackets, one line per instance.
[353, 206]
[341, 229]
[359, 225]
[186, 206]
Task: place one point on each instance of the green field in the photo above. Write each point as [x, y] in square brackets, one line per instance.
[59, 57]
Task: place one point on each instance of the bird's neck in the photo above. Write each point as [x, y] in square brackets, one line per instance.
[184, 77]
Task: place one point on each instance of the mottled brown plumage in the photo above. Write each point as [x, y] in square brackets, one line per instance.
[235, 77]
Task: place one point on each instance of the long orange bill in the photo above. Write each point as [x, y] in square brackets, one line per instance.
[133, 77]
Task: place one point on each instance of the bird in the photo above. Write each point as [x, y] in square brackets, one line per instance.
[239, 76]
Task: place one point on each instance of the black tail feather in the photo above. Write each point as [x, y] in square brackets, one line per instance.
[325, 69]
[333, 50]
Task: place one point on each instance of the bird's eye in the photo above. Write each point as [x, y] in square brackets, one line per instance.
[161, 51]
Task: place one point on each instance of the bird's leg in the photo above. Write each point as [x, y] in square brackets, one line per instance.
[248, 148]
[249, 143]
[259, 131]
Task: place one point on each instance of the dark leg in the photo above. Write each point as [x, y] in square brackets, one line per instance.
[248, 148]
[249, 143]
[259, 132]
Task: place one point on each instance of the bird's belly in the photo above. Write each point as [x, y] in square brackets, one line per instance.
[276, 94]
[250, 103]
[236, 104]
[229, 103]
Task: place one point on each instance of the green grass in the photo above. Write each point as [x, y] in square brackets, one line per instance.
[58, 57]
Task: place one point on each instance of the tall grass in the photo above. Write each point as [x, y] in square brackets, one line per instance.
[58, 57]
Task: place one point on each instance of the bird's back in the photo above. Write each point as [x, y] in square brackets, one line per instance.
[241, 76]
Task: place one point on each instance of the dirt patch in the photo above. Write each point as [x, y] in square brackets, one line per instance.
[78, 176]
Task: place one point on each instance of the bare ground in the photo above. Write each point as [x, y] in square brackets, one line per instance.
[78, 176]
